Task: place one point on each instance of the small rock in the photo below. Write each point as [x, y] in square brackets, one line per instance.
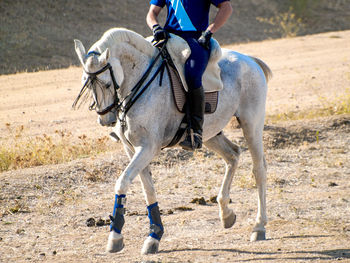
[42, 254]
[213, 199]
[183, 208]
[332, 184]
[54, 252]
[280, 181]
[100, 222]
[170, 212]
[346, 228]
[198, 201]
[90, 222]
[132, 213]
[19, 231]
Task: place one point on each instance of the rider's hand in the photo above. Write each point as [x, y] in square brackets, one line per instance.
[204, 40]
[159, 33]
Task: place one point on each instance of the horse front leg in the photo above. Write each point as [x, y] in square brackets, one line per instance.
[139, 161]
[230, 152]
[151, 244]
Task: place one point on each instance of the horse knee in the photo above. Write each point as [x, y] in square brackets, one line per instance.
[122, 184]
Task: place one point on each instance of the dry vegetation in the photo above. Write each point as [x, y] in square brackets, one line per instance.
[21, 152]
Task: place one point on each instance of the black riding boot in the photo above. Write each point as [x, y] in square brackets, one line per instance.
[193, 140]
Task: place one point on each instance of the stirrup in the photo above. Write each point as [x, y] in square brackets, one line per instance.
[192, 141]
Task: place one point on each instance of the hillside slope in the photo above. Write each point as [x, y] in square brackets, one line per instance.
[39, 34]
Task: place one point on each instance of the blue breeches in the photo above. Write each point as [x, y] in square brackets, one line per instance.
[197, 61]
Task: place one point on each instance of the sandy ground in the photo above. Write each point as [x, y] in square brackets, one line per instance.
[308, 174]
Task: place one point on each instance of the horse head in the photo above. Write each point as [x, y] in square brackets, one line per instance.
[103, 75]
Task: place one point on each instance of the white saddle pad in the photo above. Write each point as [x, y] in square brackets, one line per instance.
[180, 51]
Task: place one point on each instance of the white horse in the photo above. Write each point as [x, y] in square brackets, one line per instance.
[116, 62]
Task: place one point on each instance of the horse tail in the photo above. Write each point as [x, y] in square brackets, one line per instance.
[265, 68]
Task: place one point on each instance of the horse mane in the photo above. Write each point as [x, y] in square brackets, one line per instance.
[114, 36]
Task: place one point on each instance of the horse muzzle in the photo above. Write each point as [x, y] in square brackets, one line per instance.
[108, 120]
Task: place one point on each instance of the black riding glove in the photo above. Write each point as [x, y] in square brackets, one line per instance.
[204, 39]
[159, 33]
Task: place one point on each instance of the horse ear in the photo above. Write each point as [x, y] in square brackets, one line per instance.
[103, 59]
[80, 50]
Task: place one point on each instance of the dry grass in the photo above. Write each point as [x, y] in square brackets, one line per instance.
[329, 107]
[22, 152]
[285, 24]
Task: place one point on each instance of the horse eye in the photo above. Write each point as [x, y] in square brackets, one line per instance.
[108, 86]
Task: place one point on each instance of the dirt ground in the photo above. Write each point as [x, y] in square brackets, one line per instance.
[44, 210]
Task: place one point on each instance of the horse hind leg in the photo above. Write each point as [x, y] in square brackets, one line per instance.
[253, 135]
[230, 152]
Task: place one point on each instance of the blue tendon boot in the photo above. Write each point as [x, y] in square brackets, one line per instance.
[115, 240]
[151, 244]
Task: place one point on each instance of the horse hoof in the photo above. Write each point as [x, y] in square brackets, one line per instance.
[257, 236]
[229, 221]
[115, 243]
[150, 246]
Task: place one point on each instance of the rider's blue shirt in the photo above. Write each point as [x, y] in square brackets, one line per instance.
[187, 15]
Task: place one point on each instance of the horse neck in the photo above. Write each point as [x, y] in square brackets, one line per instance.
[134, 64]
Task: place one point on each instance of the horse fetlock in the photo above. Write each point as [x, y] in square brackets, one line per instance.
[261, 222]
[115, 242]
[150, 246]
[223, 201]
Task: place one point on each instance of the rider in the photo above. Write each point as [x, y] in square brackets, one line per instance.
[189, 19]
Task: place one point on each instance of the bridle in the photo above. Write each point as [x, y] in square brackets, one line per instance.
[135, 93]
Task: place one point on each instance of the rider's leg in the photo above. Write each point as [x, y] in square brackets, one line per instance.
[194, 69]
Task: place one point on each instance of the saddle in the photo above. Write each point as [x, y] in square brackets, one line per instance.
[179, 51]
